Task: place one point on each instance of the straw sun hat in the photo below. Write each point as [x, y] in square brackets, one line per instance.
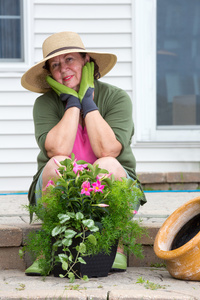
[57, 44]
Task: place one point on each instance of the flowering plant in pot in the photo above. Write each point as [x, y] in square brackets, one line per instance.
[87, 210]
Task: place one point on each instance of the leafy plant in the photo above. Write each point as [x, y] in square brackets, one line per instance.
[150, 285]
[84, 204]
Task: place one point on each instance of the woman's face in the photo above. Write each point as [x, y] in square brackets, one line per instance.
[67, 69]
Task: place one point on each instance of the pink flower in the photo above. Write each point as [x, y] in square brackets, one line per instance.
[86, 189]
[49, 183]
[78, 167]
[97, 187]
[58, 173]
[103, 176]
[57, 162]
[135, 212]
[101, 205]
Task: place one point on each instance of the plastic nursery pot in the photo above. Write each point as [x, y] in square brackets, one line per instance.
[98, 265]
[178, 241]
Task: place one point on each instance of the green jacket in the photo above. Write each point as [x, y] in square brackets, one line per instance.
[115, 107]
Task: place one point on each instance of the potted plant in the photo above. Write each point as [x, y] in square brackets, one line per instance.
[85, 212]
[178, 241]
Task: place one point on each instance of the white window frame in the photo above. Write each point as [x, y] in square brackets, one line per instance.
[144, 81]
[14, 66]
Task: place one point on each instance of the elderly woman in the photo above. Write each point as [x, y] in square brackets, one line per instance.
[78, 115]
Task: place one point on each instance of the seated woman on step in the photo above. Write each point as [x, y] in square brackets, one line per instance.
[97, 129]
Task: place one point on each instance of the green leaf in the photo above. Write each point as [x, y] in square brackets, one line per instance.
[71, 215]
[65, 265]
[21, 253]
[70, 275]
[67, 242]
[79, 235]
[70, 258]
[61, 276]
[56, 230]
[103, 171]
[94, 228]
[92, 239]
[82, 248]
[72, 279]
[57, 244]
[130, 182]
[72, 156]
[81, 260]
[63, 218]
[89, 223]
[85, 278]
[63, 257]
[108, 181]
[79, 216]
[69, 233]
[90, 167]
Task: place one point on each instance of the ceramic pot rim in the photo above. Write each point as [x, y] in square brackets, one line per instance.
[170, 254]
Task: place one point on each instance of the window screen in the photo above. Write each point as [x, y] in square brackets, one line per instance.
[11, 38]
[178, 62]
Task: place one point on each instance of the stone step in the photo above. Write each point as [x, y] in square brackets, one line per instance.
[12, 239]
[170, 180]
[14, 227]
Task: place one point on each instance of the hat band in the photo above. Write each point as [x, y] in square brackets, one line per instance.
[64, 48]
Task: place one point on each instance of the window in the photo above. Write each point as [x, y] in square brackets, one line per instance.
[166, 71]
[11, 31]
[178, 62]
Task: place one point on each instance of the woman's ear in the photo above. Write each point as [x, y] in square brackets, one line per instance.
[87, 58]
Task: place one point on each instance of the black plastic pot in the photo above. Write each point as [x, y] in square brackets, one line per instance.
[96, 265]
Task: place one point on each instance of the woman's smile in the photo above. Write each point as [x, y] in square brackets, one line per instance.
[67, 78]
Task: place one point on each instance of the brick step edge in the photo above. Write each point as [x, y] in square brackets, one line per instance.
[12, 239]
[170, 180]
[16, 235]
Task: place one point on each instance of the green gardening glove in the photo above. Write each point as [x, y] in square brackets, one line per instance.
[66, 94]
[87, 79]
[86, 90]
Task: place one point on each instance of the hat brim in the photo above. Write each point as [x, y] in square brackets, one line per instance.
[34, 79]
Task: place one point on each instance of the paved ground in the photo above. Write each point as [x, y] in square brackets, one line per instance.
[135, 283]
[155, 284]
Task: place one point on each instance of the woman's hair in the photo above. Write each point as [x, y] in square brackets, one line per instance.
[83, 55]
[96, 67]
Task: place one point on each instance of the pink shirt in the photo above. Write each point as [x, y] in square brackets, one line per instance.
[82, 148]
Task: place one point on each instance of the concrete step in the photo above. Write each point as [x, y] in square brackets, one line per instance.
[14, 226]
[135, 283]
[12, 239]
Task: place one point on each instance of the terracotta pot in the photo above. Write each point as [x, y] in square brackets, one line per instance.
[178, 241]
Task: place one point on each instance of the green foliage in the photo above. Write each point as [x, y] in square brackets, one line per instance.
[150, 285]
[87, 205]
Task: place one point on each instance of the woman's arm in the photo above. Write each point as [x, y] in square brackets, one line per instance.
[60, 139]
[101, 136]
[111, 128]
[55, 128]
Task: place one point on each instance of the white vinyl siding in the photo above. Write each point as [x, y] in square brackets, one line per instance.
[117, 26]
[103, 26]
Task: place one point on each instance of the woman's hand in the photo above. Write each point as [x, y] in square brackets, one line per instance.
[87, 89]
[101, 135]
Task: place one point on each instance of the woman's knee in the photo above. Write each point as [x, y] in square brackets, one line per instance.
[49, 169]
[112, 165]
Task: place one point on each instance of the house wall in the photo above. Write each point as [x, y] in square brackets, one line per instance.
[104, 25]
